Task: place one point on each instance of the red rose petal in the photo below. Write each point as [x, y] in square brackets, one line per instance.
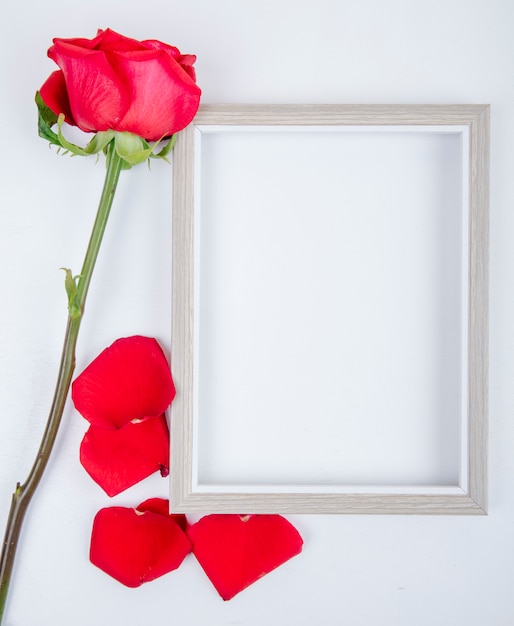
[162, 507]
[118, 459]
[135, 547]
[114, 82]
[237, 550]
[130, 380]
[179, 96]
[55, 96]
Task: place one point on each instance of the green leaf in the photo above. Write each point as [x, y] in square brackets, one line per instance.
[70, 284]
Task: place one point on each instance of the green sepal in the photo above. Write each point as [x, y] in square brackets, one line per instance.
[70, 284]
[162, 154]
[132, 148]
[100, 141]
[46, 119]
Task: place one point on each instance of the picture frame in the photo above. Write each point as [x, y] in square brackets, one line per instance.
[330, 310]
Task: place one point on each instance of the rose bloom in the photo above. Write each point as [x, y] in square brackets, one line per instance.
[115, 83]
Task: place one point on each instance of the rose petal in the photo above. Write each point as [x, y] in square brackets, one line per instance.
[130, 380]
[179, 96]
[116, 83]
[236, 550]
[96, 94]
[109, 39]
[55, 96]
[162, 507]
[118, 459]
[135, 547]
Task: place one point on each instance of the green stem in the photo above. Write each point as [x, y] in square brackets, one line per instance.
[23, 493]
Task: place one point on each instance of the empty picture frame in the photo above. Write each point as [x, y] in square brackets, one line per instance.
[329, 325]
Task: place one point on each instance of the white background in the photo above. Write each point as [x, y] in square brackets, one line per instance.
[361, 571]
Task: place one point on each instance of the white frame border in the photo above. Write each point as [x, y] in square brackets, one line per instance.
[470, 497]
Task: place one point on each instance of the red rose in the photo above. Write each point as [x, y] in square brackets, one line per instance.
[115, 83]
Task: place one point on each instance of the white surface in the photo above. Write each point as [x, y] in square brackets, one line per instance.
[331, 307]
[363, 571]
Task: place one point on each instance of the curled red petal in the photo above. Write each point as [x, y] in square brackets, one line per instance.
[109, 39]
[135, 547]
[129, 380]
[118, 459]
[96, 94]
[55, 96]
[160, 506]
[237, 550]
